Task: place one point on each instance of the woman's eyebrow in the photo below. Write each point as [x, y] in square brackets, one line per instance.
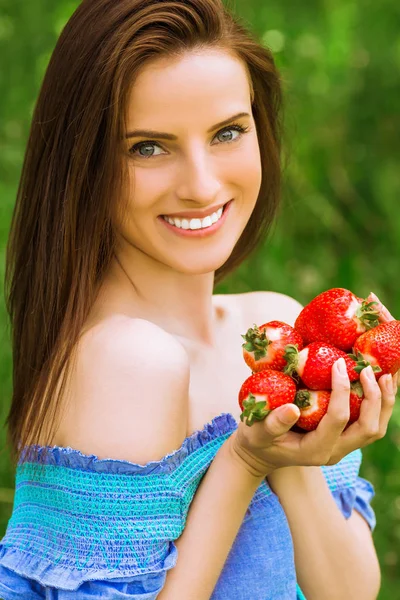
[169, 136]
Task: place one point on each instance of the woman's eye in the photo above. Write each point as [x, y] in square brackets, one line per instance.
[149, 145]
[237, 128]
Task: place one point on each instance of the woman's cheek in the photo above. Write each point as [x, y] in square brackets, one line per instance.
[248, 170]
[146, 186]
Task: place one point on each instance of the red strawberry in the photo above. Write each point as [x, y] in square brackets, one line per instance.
[356, 398]
[314, 364]
[313, 405]
[379, 347]
[264, 346]
[337, 317]
[264, 391]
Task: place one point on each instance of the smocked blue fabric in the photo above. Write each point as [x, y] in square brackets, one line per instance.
[85, 528]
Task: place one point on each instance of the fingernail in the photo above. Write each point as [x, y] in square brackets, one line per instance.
[287, 415]
[370, 373]
[341, 365]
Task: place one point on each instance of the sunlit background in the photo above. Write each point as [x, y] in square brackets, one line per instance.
[339, 225]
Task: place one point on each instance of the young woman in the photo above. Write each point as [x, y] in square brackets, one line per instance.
[152, 170]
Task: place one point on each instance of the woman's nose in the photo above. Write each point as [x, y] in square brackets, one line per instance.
[198, 180]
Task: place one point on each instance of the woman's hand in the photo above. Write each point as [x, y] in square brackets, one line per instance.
[384, 314]
[376, 410]
[377, 407]
[269, 445]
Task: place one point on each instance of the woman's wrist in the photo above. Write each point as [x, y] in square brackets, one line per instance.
[245, 460]
[291, 477]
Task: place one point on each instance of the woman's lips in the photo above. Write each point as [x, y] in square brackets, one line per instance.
[199, 233]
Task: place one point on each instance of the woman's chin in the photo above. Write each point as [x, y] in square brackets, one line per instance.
[200, 265]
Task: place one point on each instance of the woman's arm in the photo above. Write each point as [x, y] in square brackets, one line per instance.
[129, 400]
[335, 558]
[214, 519]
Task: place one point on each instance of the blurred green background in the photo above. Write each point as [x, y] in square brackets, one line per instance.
[339, 225]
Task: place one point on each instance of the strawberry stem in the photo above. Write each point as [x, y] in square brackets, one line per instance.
[254, 411]
[368, 315]
[256, 341]
[362, 363]
[291, 356]
[357, 388]
[302, 399]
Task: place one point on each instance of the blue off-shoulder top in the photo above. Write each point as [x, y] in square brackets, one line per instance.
[85, 528]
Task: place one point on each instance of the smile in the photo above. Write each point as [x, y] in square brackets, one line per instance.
[197, 227]
[195, 223]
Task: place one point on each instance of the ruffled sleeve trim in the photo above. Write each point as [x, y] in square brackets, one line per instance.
[357, 497]
[26, 571]
[348, 489]
[72, 458]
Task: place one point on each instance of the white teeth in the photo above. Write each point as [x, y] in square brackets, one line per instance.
[195, 223]
[184, 224]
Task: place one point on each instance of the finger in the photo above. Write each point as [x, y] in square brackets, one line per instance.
[338, 413]
[371, 406]
[277, 424]
[388, 402]
[280, 420]
[395, 383]
[384, 314]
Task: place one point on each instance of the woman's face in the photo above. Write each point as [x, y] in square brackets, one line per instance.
[192, 167]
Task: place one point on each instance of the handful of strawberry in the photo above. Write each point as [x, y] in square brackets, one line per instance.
[294, 364]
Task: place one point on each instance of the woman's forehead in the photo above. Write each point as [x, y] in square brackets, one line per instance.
[210, 84]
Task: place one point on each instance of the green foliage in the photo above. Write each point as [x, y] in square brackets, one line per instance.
[338, 227]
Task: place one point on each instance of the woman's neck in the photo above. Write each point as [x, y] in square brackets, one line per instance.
[181, 304]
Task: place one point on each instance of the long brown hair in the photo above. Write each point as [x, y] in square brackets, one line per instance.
[61, 240]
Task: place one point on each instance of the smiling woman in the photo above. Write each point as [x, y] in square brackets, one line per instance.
[135, 477]
[184, 68]
[199, 105]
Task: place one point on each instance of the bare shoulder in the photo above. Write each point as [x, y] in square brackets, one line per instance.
[260, 307]
[128, 392]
